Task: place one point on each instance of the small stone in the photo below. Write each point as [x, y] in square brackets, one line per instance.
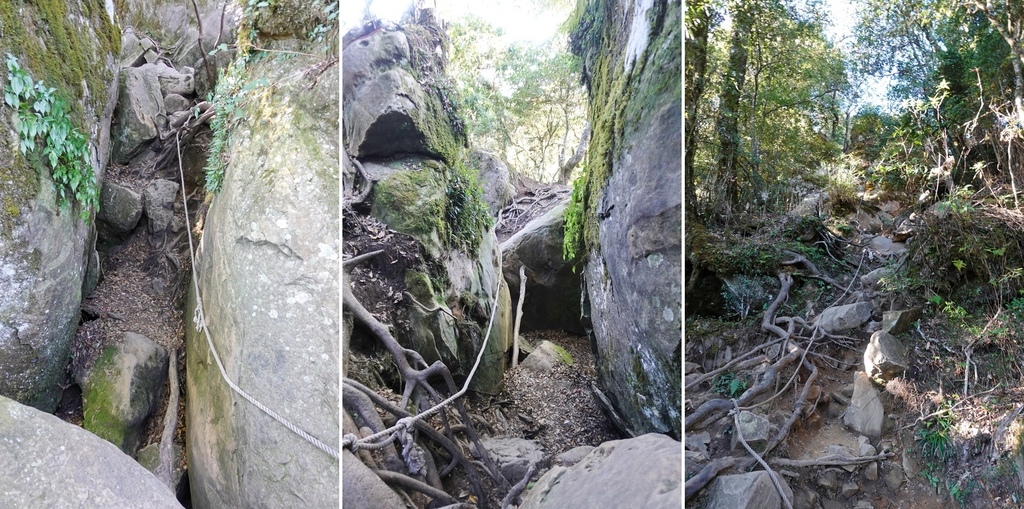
[871, 471]
[690, 367]
[893, 476]
[828, 480]
[849, 489]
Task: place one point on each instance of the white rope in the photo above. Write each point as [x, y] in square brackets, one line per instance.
[404, 423]
[200, 322]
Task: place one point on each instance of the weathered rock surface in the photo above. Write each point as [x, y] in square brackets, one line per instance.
[268, 277]
[140, 113]
[865, 413]
[495, 178]
[841, 318]
[872, 278]
[123, 388]
[50, 463]
[884, 246]
[753, 490]
[120, 210]
[362, 489]
[898, 322]
[552, 288]
[632, 219]
[158, 200]
[573, 456]
[172, 26]
[45, 251]
[755, 428]
[885, 357]
[645, 471]
[545, 356]
[514, 456]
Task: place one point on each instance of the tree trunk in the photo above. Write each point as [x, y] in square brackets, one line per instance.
[696, 65]
[728, 115]
[565, 171]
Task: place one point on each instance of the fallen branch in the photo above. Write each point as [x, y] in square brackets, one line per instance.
[707, 474]
[519, 316]
[395, 478]
[832, 460]
[164, 467]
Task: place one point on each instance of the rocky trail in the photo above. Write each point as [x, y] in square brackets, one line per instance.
[852, 396]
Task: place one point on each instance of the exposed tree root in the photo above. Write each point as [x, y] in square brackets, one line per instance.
[708, 474]
[165, 464]
[395, 478]
[416, 374]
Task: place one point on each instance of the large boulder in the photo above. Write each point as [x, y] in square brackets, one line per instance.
[409, 145]
[120, 210]
[45, 251]
[50, 463]
[753, 490]
[552, 283]
[268, 278]
[394, 107]
[846, 317]
[632, 210]
[645, 471]
[140, 114]
[866, 413]
[495, 178]
[123, 388]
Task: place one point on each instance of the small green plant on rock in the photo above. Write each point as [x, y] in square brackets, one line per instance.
[42, 115]
[730, 385]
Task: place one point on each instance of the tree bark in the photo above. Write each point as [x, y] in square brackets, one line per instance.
[565, 171]
[697, 29]
[727, 124]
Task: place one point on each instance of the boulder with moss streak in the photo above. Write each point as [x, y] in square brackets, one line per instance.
[633, 206]
[46, 252]
[268, 278]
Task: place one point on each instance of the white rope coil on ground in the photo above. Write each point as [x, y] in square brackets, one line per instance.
[200, 322]
[354, 443]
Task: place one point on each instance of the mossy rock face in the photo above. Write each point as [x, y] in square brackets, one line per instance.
[633, 206]
[413, 202]
[44, 250]
[124, 387]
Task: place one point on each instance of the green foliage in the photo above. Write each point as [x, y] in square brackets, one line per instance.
[522, 101]
[466, 210]
[42, 115]
[572, 244]
[934, 437]
[319, 32]
[227, 100]
[730, 385]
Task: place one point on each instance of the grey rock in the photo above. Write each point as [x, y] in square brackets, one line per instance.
[552, 288]
[753, 490]
[362, 489]
[884, 246]
[495, 178]
[132, 49]
[645, 471]
[893, 476]
[756, 430]
[158, 200]
[690, 367]
[867, 222]
[269, 286]
[841, 318]
[635, 270]
[173, 25]
[885, 357]
[828, 480]
[390, 116]
[45, 251]
[178, 118]
[898, 322]
[698, 442]
[50, 463]
[139, 113]
[149, 457]
[369, 56]
[174, 103]
[871, 471]
[573, 456]
[120, 210]
[123, 388]
[865, 413]
[849, 489]
[806, 499]
[514, 456]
